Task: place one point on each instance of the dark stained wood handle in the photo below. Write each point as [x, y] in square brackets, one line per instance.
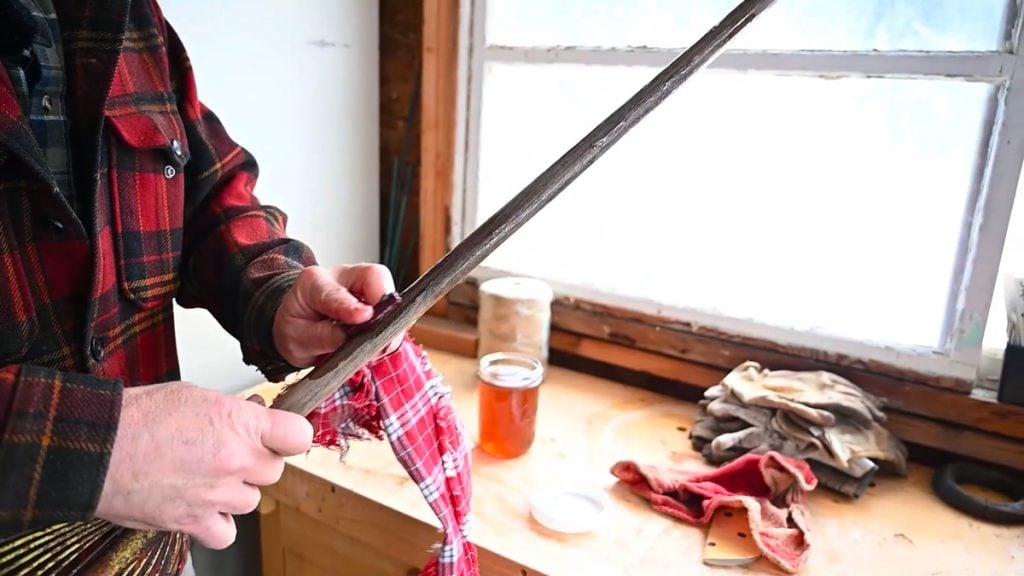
[309, 392]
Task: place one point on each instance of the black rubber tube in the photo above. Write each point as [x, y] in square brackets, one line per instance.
[948, 480]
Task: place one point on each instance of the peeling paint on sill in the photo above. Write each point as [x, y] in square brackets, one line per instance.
[971, 336]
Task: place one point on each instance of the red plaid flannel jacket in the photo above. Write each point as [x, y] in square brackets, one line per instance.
[85, 307]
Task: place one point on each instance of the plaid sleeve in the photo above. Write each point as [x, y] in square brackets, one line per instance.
[57, 430]
[237, 261]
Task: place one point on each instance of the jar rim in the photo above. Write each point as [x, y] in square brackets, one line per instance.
[515, 286]
[530, 370]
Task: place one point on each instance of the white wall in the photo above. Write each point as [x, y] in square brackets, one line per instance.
[297, 87]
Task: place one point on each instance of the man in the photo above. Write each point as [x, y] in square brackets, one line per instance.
[119, 193]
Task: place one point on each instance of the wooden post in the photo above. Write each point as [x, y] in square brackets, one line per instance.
[437, 130]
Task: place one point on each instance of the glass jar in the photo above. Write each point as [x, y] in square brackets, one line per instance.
[509, 386]
[514, 316]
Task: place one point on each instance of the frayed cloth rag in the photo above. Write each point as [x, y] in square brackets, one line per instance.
[771, 487]
[403, 398]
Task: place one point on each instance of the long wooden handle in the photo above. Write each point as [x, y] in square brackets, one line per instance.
[398, 316]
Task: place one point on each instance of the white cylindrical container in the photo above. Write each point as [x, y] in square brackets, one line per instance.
[515, 316]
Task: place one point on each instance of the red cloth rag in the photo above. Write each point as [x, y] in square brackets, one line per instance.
[402, 397]
[771, 487]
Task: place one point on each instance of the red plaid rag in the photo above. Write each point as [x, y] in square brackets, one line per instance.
[771, 487]
[402, 397]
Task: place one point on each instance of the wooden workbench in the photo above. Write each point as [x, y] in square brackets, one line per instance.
[365, 517]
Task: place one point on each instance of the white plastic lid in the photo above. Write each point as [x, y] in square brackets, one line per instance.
[569, 510]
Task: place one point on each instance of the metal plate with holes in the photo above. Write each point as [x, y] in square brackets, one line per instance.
[729, 542]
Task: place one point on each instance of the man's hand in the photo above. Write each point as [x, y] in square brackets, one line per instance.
[185, 459]
[310, 322]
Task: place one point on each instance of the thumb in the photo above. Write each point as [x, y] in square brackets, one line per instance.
[285, 433]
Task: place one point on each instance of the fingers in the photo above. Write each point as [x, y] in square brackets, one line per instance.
[286, 434]
[266, 471]
[325, 293]
[370, 281]
[243, 499]
[217, 532]
[394, 344]
[311, 323]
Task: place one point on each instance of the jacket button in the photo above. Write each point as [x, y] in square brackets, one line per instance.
[96, 348]
[169, 171]
[176, 148]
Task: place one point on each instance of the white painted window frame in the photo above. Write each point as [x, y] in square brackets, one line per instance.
[983, 230]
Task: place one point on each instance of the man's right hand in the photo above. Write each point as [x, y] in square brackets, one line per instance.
[186, 459]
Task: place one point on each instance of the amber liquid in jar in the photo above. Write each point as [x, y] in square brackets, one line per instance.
[509, 390]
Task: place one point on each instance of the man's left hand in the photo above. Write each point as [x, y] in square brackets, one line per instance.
[310, 322]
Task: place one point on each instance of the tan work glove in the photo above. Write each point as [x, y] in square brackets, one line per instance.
[759, 440]
[728, 406]
[708, 427]
[848, 442]
[844, 445]
[816, 396]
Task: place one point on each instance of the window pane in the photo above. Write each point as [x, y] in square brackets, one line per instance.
[828, 205]
[953, 25]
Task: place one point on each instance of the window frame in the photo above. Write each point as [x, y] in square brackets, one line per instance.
[959, 354]
[627, 342]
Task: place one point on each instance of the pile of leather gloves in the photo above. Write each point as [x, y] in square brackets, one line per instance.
[815, 416]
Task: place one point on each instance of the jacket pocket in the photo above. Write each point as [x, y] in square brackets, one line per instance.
[18, 326]
[147, 155]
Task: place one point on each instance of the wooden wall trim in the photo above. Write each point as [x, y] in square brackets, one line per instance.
[437, 129]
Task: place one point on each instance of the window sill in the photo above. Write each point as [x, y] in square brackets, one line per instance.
[366, 513]
[687, 359]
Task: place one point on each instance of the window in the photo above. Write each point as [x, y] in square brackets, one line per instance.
[842, 177]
